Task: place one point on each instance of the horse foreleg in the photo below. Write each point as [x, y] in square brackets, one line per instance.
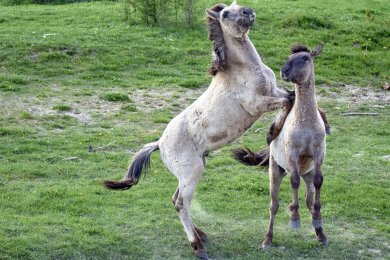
[294, 206]
[256, 107]
[316, 212]
[276, 174]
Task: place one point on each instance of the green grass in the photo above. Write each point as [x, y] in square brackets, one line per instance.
[82, 90]
[115, 97]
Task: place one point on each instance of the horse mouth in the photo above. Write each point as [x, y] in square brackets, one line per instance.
[285, 77]
[248, 21]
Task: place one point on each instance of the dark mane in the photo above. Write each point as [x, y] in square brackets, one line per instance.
[216, 35]
[299, 48]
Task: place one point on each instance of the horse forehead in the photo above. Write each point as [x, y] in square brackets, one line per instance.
[297, 55]
[233, 7]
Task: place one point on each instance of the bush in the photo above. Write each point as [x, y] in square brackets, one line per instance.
[158, 12]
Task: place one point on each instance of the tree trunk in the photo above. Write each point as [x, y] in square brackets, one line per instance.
[190, 12]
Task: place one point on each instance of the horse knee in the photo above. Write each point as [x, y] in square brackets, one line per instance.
[294, 180]
[178, 204]
[175, 196]
[318, 179]
[294, 207]
[273, 207]
[317, 206]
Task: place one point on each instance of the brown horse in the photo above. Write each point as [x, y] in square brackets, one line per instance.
[241, 90]
[300, 146]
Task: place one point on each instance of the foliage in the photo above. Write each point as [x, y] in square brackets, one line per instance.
[154, 12]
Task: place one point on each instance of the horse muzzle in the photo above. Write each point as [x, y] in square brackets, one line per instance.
[248, 17]
[284, 74]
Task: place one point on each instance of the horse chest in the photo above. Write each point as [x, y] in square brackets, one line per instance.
[299, 140]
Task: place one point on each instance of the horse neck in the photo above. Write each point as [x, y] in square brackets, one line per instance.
[241, 52]
[305, 106]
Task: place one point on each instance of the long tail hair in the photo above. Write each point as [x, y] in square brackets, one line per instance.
[245, 156]
[141, 163]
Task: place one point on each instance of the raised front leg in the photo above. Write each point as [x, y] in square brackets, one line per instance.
[276, 174]
[256, 106]
[277, 126]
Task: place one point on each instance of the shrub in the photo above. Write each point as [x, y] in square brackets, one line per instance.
[158, 12]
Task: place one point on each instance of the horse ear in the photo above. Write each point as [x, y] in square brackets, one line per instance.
[212, 14]
[317, 51]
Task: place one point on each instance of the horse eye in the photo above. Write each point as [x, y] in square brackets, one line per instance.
[305, 58]
[225, 14]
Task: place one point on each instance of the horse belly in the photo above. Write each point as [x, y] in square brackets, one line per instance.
[305, 163]
[226, 131]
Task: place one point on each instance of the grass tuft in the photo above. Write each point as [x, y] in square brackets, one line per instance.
[62, 108]
[115, 97]
[129, 108]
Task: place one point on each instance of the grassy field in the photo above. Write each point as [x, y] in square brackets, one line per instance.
[81, 90]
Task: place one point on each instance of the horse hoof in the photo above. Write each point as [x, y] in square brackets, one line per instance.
[325, 243]
[202, 254]
[205, 240]
[295, 224]
[265, 246]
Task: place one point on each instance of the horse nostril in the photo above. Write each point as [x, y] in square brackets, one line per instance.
[247, 11]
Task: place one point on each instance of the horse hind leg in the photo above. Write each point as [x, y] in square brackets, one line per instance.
[316, 212]
[178, 204]
[188, 177]
[309, 193]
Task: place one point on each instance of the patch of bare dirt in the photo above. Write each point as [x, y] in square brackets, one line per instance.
[356, 94]
[88, 109]
[150, 99]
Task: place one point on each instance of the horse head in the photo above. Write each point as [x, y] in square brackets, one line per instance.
[223, 21]
[299, 67]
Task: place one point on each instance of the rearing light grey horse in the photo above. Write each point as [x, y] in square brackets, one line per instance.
[241, 90]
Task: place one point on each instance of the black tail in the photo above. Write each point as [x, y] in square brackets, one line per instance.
[141, 162]
[245, 156]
